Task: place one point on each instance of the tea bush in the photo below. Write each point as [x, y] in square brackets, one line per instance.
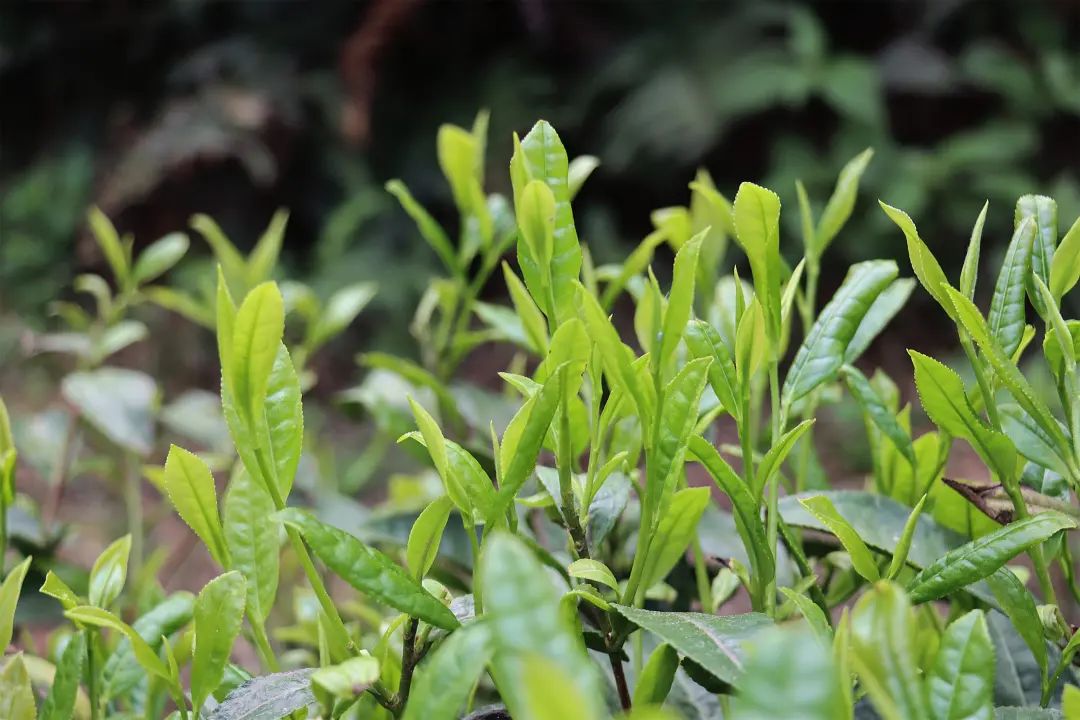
[566, 567]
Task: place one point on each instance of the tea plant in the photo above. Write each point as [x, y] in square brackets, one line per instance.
[547, 577]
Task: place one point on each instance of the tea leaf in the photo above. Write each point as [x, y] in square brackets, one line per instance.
[253, 539]
[756, 212]
[16, 692]
[539, 676]
[969, 273]
[714, 642]
[980, 558]
[9, 598]
[841, 202]
[751, 343]
[1030, 439]
[348, 679]
[122, 670]
[144, 654]
[264, 256]
[429, 229]
[588, 569]
[1055, 321]
[269, 697]
[673, 533]
[190, 487]
[579, 171]
[903, 546]
[109, 573]
[219, 613]
[616, 356]
[444, 682]
[109, 242]
[54, 587]
[680, 299]
[425, 536]
[777, 454]
[654, 682]
[158, 257]
[1017, 602]
[882, 629]
[861, 557]
[1065, 267]
[368, 570]
[822, 353]
[885, 306]
[1006, 317]
[702, 340]
[341, 309]
[117, 402]
[60, 702]
[923, 262]
[874, 407]
[458, 153]
[814, 615]
[532, 320]
[231, 264]
[257, 332]
[961, 683]
[788, 670]
[1043, 211]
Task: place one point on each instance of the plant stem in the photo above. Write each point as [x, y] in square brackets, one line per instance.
[620, 680]
[91, 675]
[474, 543]
[701, 576]
[262, 645]
[133, 503]
[774, 486]
[409, 658]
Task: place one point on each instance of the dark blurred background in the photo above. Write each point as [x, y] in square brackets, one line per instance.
[157, 109]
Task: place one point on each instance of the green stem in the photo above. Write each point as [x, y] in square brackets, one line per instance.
[474, 542]
[91, 675]
[701, 575]
[1012, 488]
[262, 645]
[774, 486]
[985, 387]
[133, 503]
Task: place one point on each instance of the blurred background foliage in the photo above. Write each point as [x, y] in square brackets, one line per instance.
[160, 109]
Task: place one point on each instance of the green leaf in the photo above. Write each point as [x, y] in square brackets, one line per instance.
[822, 353]
[9, 598]
[189, 485]
[673, 533]
[787, 673]
[264, 256]
[1055, 321]
[341, 309]
[536, 221]
[903, 546]
[109, 242]
[1070, 701]
[774, 458]
[540, 155]
[159, 256]
[269, 697]
[980, 558]
[458, 152]
[429, 229]
[539, 677]
[702, 340]
[252, 537]
[1052, 347]
[1065, 267]
[926, 267]
[257, 332]
[1017, 602]
[880, 414]
[588, 569]
[1007, 306]
[144, 654]
[348, 679]
[841, 203]
[1043, 211]
[532, 320]
[369, 570]
[444, 682]
[861, 557]
[522, 609]
[54, 587]
[117, 402]
[654, 682]
[969, 273]
[16, 692]
[1030, 439]
[714, 642]
[747, 520]
[232, 265]
[751, 343]
[109, 573]
[756, 212]
[615, 356]
[943, 397]
[122, 670]
[882, 310]
[882, 630]
[960, 686]
[60, 702]
[219, 613]
[680, 299]
[579, 171]
[814, 615]
[425, 536]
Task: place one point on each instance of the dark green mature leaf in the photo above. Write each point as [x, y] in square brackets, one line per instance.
[9, 598]
[960, 686]
[117, 402]
[270, 697]
[540, 155]
[1006, 318]
[822, 353]
[788, 674]
[756, 212]
[980, 558]
[714, 642]
[1065, 267]
[521, 607]
[885, 306]
[1043, 211]
[60, 702]
[841, 202]
[874, 407]
[109, 573]
[747, 519]
[702, 340]
[253, 538]
[189, 485]
[882, 631]
[861, 557]
[1017, 602]
[444, 682]
[369, 570]
[122, 671]
[219, 613]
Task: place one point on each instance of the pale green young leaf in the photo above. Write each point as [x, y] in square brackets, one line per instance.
[1070, 702]
[814, 615]
[436, 447]
[369, 570]
[425, 536]
[751, 343]
[1065, 267]
[348, 679]
[982, 557]
[219, 614]
[111, 246]
[60, 702]
[680, 299]
[253, 540]
[654, 682]
[457, 151]
[882, 631]
[144, 654]
[806, 220]
[634, 264]
[9, 598]
[588, 569]
[429, 229]
[788, 674]
[1031, 440]
[1007, 305]
[540, 676]
[616, 358]
[537, 225]
[264, 256]
[109, 573]
[341, 309]
[532, 320]
[756, 213]
[225, 323]
[159, 256]
[122, 671]
[969, 273]
[960, 686]
[54, 587]
[1043, 210]
[674, 531]
[579, 171]
[822, 353]
[1052, 347]
[875, 408]
[862, 559]
[1055, 322]
[903, 546]
[702, 340]
[257, 333]
[444, 681]
[884, 308]
[841, 202]
[189, 485]
[777, 454]
[16, 692]
[923, 262]
[232, 265]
